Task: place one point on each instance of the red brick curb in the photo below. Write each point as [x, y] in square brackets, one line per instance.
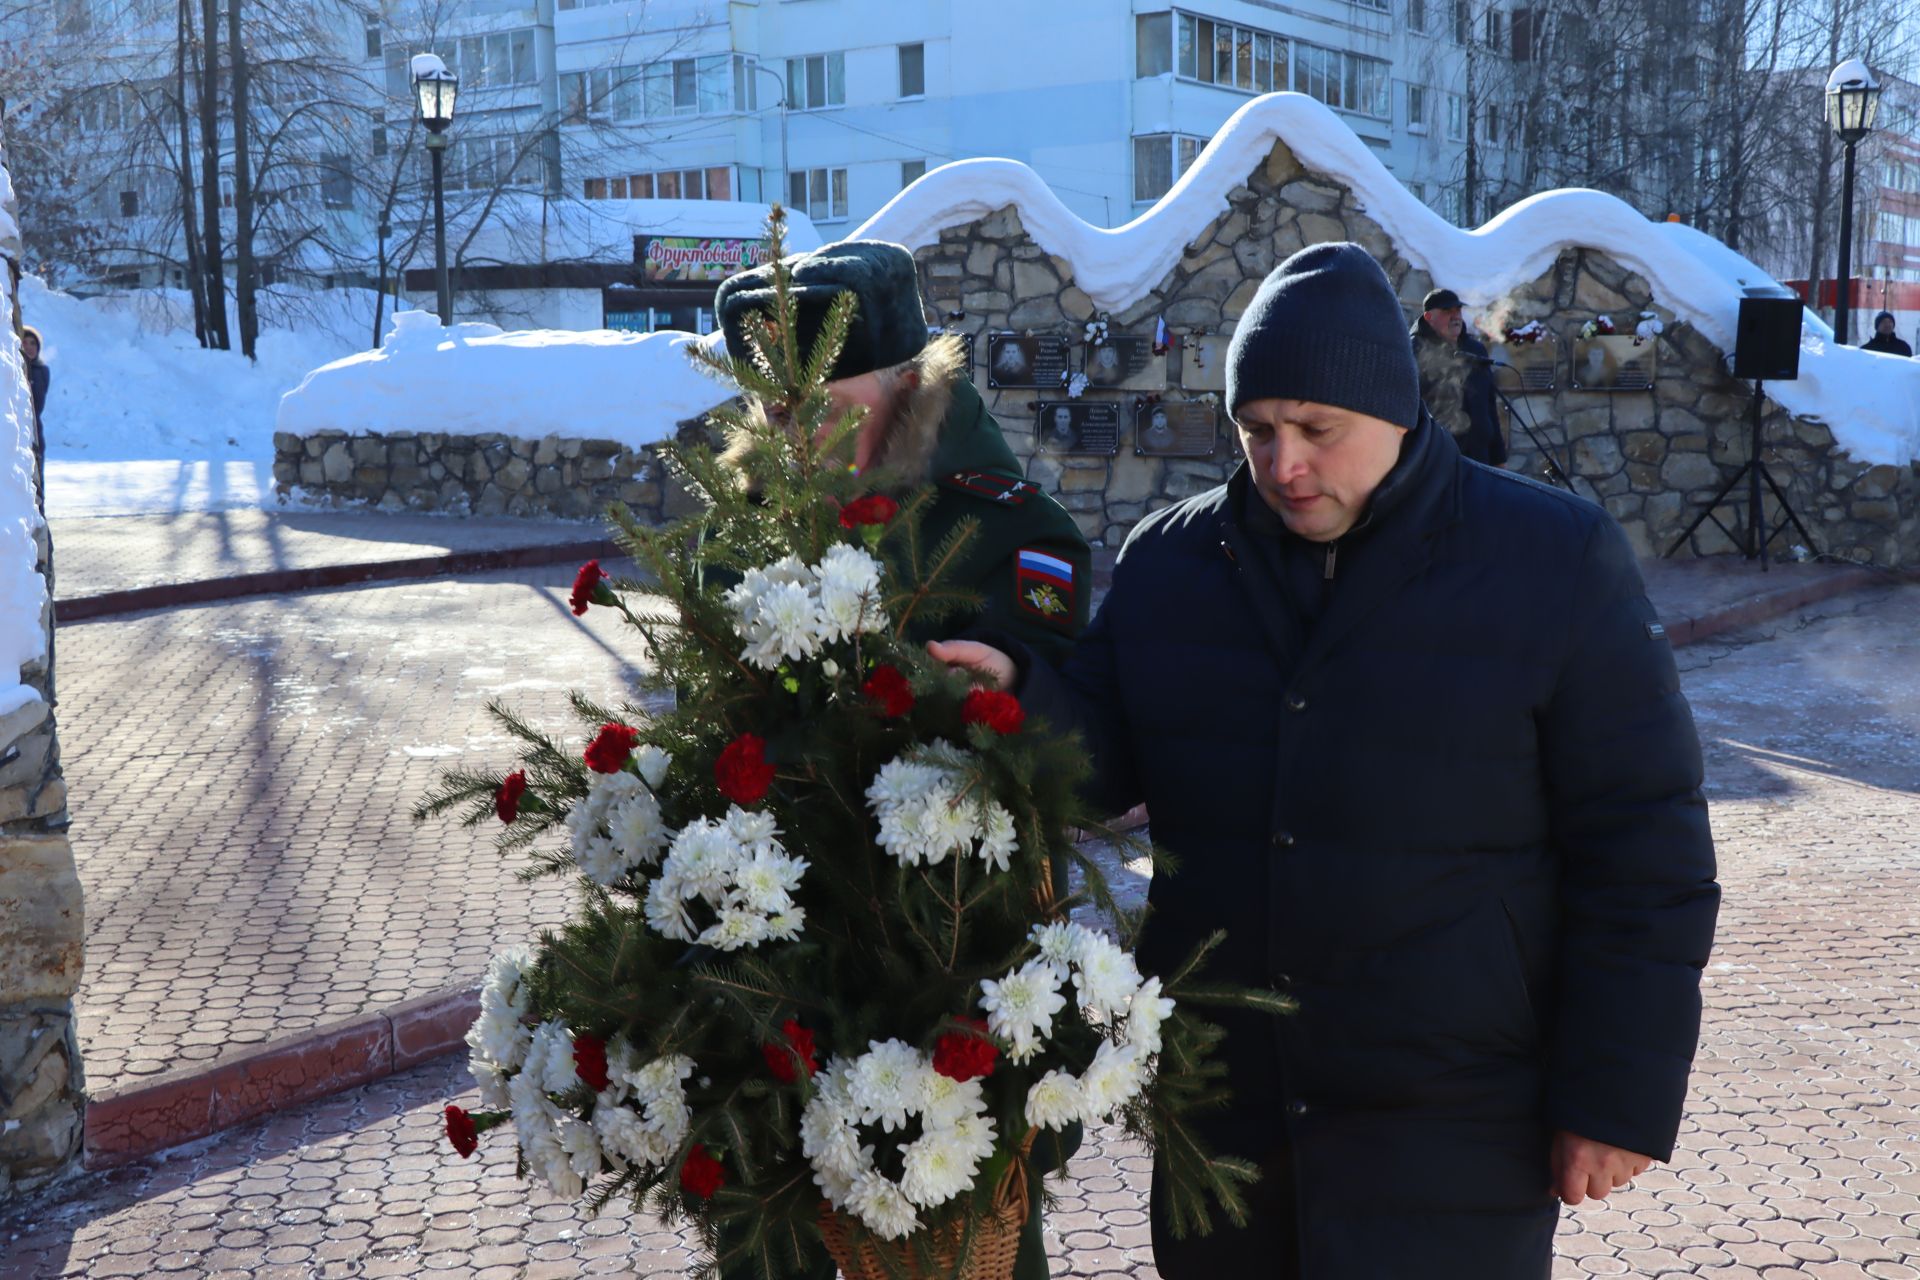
[127, 1123]
[279, 581]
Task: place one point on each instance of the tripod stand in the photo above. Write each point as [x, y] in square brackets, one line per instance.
[1557, 473]
[1758, 535]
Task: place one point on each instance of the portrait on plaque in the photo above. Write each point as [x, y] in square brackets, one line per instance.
[1125, 363]
[1176, 429]
[1016, 360]
[1203, 362]
[1078, 426]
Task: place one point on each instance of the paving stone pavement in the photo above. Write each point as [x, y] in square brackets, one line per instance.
[241, 777]
[1800, 1156]
[97, 554]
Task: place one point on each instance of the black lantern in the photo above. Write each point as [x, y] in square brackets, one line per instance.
[1853, 99]
[434, 92]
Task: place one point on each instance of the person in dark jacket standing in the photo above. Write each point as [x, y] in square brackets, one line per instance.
[1417, 739]
[1456, 378]
[1885, 340]
[39, 377]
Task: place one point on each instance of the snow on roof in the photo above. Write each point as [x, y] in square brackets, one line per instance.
[1870, 402]
[23, 591]
[474, 379]
[523, 229]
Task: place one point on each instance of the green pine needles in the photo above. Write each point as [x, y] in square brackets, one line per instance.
[823, 973]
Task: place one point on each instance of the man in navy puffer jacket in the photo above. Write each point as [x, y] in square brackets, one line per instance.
[1416, 738]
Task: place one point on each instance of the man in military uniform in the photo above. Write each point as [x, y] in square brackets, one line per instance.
[1456, 378]
[926, 424]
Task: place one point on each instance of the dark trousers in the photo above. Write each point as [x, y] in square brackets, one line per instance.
[1267, 1247]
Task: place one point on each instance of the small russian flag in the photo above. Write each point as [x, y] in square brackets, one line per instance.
[1047, 566]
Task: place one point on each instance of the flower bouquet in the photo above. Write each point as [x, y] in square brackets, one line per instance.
[822, 994]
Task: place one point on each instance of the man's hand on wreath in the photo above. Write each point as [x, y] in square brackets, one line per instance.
[1583, 1168]
[989, 668]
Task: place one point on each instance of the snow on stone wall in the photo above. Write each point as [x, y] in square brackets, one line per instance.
[23, 589]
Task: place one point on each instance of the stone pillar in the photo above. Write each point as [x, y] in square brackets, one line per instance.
[42, 1090]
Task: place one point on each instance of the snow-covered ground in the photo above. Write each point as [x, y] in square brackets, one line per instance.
[140, 417]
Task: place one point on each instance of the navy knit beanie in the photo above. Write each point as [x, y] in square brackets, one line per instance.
[1326, 326]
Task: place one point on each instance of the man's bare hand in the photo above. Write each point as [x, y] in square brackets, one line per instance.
[989, 667]
[1583, 1168]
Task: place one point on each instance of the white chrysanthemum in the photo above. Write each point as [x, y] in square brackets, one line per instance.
[581, 1144]
[492, 1081]
[754, 830]
[1145, 1014]
[903, 781]
[1020, 1007]
[733, 930]
[554, 1165]
[999, 841]
[637, 831]
[786, 626]
[786, 925]
[702, 858]
[836, 1187]
[550, 1058]
[882, 1206]
[1104, 976]
[849, 585]
[1059, 943]
[766, 883]
[652, 763]
[936, 1168]
[498, 1035]
[601, 856]
[926, 812]
[624, 1137]
[667, 911]
[1055, 1101]
[944, 1100]
[1111, 1080]
[885, 1082]
[975, 1133]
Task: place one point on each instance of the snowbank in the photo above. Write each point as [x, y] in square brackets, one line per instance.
[474, 378]
[23, 591]
[1871, 403]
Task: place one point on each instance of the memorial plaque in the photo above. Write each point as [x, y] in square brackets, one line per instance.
[1614, 363]
[1536, 366]
[1078, 426]
[1014, 360]
[966, 340]
[1125, 363]
[1176, 429]
[1203, 363]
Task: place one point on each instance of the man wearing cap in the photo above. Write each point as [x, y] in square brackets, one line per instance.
[1884, 339]
[1456, 378]
[926, 424]
[1416, 738]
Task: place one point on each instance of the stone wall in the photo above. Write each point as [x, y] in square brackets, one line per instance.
[485, 475]
[1653, 457]
[42, 1091]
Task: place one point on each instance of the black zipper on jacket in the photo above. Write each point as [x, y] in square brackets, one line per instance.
[1333, 549]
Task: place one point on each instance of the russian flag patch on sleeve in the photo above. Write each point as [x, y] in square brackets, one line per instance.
[1043, 585]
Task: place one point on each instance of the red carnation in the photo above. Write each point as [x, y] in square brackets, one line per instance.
[965, 1055]
[1000, 712]
[587, 588]
[608, 752]
[590, 1060]
[875, 508]
[702, 1174]
[742, 770]
[889, 688]
[785, 1060]
[461, 1132]
[506, 801]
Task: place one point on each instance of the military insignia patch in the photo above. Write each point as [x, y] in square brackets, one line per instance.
[1043, 586]
[992, 486]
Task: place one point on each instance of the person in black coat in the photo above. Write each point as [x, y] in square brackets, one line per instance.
[39, 377]
[1885, 340]
[1456, 378]
[1416, 738]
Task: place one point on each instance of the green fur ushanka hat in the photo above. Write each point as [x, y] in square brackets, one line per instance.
[889, 324]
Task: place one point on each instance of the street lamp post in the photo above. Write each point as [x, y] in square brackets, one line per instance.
[780, 80]
[1853, 97]
[435, 90]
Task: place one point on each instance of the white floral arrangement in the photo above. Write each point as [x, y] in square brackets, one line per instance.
[788, 610]
[927, 810]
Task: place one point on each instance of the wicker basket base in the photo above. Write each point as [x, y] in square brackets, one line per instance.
[996, 1243]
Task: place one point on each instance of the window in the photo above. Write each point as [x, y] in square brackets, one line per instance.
[913, 71]
[714, 183]
[373, 37]
[819, 81]
[1416, 108]
[129, 204]
[821, 194]
[1456, 118]
[1152, 44]
[1417, 16]
[1220, 53]
[336, 181]
[1493, 125]
[1496, 30]
[1418, 190]
[1158, 161]
[911, 171]
[1462, 21]
[1450, 205]
[682, 87]
[379, 140]
[1367, 86]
